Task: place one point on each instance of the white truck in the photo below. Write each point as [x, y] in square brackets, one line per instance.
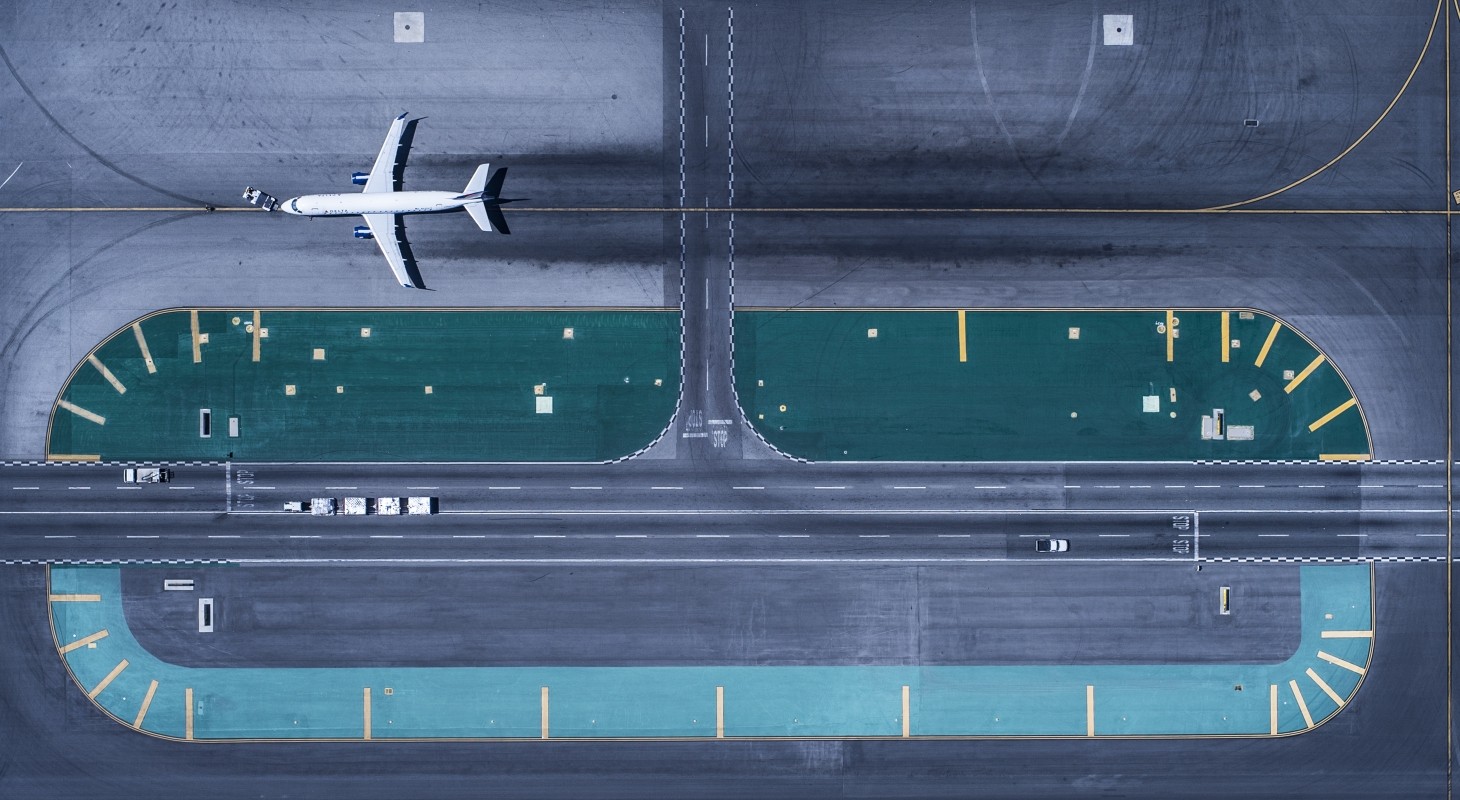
[146, 475]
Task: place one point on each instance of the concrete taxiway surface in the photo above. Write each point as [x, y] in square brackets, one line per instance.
[785, 107]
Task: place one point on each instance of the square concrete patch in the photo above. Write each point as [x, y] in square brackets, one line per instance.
[1117, 29]
[544, 405]
[410, 26]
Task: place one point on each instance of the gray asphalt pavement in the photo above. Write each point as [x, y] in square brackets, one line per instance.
[841, 105]
[69, 749]
[623, 615]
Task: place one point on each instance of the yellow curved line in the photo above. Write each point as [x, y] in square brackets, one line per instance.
[1402, 89]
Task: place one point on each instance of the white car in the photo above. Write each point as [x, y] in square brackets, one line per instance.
[1051, 545]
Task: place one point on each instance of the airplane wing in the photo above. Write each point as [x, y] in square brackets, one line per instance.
[390, 233]
[382, 175]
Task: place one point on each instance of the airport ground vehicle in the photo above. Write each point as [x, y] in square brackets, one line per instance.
[361, 506]
[146, 475]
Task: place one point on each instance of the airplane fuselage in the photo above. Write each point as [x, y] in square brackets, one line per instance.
[340, 205]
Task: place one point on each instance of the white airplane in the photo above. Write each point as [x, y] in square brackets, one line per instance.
[382, 204]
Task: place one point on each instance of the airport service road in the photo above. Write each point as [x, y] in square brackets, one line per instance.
[648, 484]
[765, 536]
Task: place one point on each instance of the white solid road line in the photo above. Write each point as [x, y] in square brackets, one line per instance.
[223, 536]
[747, 487]
[585, 487]
[665, 488]
[1272, 535]
[955, 536]
[829, 487]
[24, 487]
[503, 488]
[60, 536]
[140, 536]
[421, 488]
[909, 487]
[469, 536]
[631, 536]
[1114, 535]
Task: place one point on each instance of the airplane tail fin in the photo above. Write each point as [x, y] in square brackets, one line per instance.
[488, 216]
[478, 179]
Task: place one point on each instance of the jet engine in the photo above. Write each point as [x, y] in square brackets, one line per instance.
[363, 232]
[359, 178]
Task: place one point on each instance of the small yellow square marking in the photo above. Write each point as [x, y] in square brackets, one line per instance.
[364, 333]
[1074, 333]
[871, 333]
[289, 389]
[1255, 395]
[319, 354]
[539, 389]
[339, 390]
[428, 390]
[91, 645]
[567, 333]
[202, 338]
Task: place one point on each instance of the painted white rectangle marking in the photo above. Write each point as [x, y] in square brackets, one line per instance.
[410, 27]
[205, 615]
[1118, 30]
